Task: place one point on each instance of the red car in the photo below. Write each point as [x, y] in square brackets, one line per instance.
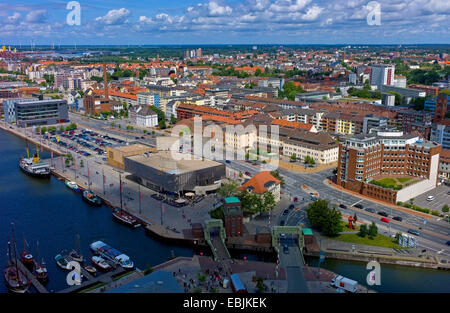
[383, 219]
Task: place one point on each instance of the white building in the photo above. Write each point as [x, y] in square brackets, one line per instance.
[145, 117]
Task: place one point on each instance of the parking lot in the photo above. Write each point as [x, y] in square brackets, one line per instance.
[441, 198]
[84, 142]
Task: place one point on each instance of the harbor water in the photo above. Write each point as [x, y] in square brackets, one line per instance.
[48, 212]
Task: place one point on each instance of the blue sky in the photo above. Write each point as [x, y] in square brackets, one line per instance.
[148, 22]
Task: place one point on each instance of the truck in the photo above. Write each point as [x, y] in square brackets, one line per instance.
[344, 283]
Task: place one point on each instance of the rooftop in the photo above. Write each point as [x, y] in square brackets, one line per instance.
[172, 162]
[156, 282]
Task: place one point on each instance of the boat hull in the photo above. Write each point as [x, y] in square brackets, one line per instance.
[92, 202]
[33, 174]
[130, 223]
[13, 284]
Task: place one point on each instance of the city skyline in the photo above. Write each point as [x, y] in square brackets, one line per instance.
[226, 22]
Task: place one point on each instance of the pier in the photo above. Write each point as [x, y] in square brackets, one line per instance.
[31, 278]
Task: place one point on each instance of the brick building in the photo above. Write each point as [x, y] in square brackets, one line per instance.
[366, 158]
[232, 216]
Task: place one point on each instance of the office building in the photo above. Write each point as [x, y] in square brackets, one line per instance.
[366, 160]
[382, 74]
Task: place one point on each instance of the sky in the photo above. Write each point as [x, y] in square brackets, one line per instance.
[155, 22]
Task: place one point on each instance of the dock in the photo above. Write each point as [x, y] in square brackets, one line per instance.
[34, 281]
[93, 280]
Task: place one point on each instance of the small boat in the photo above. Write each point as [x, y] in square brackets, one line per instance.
[91, 198]
[90, 269]
[72, 185]
[125, 218]
[100, 263]
[26, 257]
[75, 254]
[62, 262]
[40, 269]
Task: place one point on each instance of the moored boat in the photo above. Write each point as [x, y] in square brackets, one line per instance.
[90, 269]
[102, 249]
[15, 280]
[75, 254]
[100, 263]
[91, 198]
[62, 262]
[72, 185]
[40, 269]
[25, 256]
[125, 218]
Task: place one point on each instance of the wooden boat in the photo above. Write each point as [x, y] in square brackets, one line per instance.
[62, 262]
[25, 256]
[40, 269]
[15, 280]
[125, 218]
[90, 269]
[100, 263]
[91, 198]
[75, 254]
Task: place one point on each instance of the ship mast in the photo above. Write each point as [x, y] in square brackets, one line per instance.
[19, 279]
[121, 202]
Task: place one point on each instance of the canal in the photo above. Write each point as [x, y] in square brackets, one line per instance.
[48, 212]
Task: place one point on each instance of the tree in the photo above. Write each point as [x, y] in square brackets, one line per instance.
[323, 218]
[173, 120]
[260, 284]
[269, 201]
[227, 190]
[373, 230]
[293, 157]
[363, 231]
[445, 208]
[81, 163]
[43, 130]
[278, 176]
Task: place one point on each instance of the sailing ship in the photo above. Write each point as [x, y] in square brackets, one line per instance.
[40, 269]
[121, 216]
[75, 254]
[125, 218]
[25, 256]
[14, 279]
[72, 185]
[34, 166]
[91, 198]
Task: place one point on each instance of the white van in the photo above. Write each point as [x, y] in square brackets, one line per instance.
[430, 198]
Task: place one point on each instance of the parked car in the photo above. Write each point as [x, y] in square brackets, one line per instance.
[370, 210]
[342, 206]
[359, 206]
[285, 212]
[286, 249]
[383, 219]
[291, 207]
[248, 173]
[430, 198]
[397, 218]
[414, 232]
[227, 161]
[382, 213]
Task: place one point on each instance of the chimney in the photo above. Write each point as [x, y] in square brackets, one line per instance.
[105, 81]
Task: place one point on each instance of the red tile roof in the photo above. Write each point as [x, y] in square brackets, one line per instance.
[258, 183]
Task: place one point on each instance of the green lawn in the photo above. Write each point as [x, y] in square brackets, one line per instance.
[387, 181]
[345, 226]
[404, 179]
[379, 240]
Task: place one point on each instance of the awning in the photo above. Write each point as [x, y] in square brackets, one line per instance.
[189, 194]
[180, 201]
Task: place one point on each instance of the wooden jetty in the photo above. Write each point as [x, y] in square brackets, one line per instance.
[36, 283]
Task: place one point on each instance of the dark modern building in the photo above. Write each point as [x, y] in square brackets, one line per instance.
[33, 112]
[232, 216]
[168, 171]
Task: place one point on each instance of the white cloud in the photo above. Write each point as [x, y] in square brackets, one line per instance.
[37, 16]
[13, 19]
[114, 17]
